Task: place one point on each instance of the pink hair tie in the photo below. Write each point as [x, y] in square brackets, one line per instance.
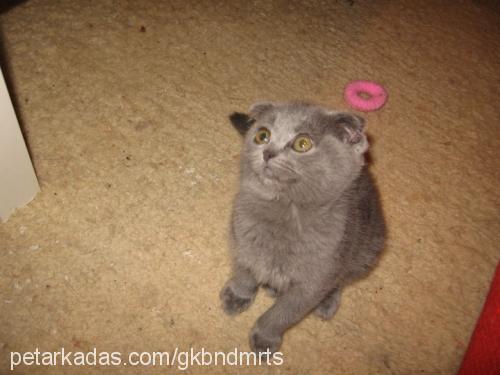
[376, 95]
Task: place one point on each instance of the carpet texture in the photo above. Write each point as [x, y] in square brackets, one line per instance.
[124, 106]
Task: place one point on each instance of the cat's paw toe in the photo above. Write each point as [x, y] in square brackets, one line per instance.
[322, 313]
[326, 312]
[262, 344]
[232, 303]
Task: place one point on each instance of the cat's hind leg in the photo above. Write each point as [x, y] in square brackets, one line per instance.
[239, 292]
[329, 305]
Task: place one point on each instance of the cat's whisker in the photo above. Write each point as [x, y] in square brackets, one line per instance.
[285, 166]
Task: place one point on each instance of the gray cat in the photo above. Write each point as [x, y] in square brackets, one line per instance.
[307, 219]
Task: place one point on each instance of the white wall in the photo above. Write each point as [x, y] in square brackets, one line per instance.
[18, 183]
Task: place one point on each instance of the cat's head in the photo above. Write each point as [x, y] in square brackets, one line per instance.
[300, 151]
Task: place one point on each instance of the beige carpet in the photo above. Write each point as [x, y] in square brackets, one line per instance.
[124, 105]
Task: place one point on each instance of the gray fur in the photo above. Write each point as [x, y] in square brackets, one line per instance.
[304, 225]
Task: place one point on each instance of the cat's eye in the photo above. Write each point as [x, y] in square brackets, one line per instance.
[263, 136]
[302, 143]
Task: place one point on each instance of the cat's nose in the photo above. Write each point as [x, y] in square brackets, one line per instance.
[269, 154]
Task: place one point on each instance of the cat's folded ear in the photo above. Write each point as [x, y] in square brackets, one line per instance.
[241, 122]
[349, 128]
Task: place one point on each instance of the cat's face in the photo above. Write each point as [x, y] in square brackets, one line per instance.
[300, 151]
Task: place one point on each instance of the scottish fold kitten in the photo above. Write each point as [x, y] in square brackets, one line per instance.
[307, 219]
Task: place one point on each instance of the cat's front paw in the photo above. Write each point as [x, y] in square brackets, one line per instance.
[232, 303]
[263, 344]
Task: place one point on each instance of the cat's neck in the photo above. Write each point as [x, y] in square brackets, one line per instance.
[283, 202]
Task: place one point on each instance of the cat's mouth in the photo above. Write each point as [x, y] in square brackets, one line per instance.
[270, 174]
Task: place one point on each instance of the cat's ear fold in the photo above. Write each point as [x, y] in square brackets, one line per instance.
[241, 122]
[257, 109]
[349, 127]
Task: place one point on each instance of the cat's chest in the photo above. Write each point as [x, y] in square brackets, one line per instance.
[279, 227]
[280, 244]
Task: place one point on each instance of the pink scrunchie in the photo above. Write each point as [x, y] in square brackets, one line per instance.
[377, 95]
